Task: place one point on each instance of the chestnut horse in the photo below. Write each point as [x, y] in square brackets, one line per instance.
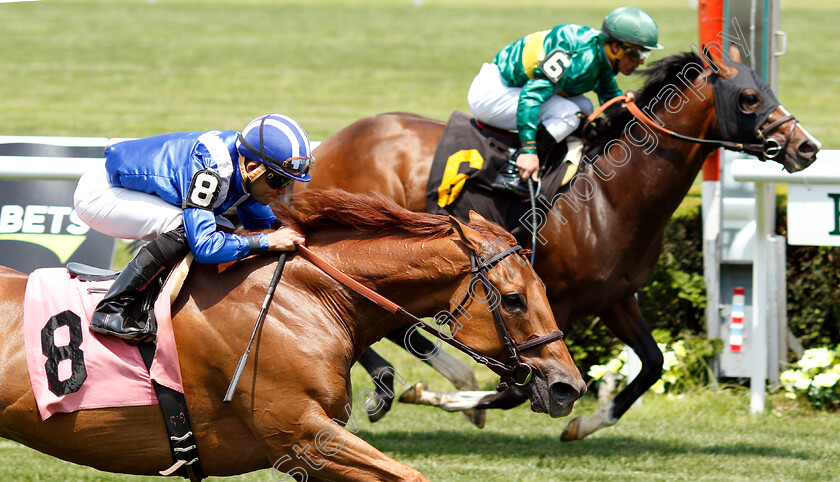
[294, 397]
[602, 235]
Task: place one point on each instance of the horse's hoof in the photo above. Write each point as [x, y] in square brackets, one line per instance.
[476, 417]
[570, 431]
[412, 394]
[373, 401]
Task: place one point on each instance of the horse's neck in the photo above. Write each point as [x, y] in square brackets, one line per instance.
[651, 185]
[419, 276]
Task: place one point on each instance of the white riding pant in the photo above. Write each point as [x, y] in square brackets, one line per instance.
[494, 103]
[123, 213]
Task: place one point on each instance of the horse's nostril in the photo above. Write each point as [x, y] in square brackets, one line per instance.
[564, 391]
[807, 148]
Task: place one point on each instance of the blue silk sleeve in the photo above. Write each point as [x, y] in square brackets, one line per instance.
[211, 246]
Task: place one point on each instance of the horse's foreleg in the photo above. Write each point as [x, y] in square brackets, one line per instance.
[380, 399]
[625, 320]
[461, 375]
[453, 401]
[324, 450]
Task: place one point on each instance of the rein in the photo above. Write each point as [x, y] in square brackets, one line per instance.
[517, 373]
[768, 149]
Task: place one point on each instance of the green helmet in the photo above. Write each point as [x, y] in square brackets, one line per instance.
[632, 26]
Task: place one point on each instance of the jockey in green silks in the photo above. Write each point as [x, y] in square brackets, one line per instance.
[536, 85]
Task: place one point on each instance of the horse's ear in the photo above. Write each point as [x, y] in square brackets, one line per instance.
[469, 236]
[734, 53]
[475, 217]
[723, 70]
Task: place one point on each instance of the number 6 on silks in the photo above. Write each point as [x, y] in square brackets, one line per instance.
[554, 65]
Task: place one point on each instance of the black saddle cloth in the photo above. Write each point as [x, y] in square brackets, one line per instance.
[466, 162]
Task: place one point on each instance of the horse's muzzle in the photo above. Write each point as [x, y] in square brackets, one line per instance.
[803, 156]
[555, 396]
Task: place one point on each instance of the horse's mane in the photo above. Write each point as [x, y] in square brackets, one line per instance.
[662, 73]
[317, 210]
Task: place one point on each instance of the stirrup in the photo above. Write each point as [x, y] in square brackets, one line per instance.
[508, 180]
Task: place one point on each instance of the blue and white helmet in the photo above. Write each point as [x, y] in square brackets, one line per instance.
[280, 144]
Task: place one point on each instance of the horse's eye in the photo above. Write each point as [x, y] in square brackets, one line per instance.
[749, 101]
[514, 302]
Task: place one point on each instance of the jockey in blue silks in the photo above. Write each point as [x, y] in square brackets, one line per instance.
[172, 189]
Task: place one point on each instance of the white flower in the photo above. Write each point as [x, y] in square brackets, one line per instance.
[670, 360]
[816, 358]
[794, 380]
[614, 365]
[597, 371]
[802, 383]
[625, 370]
[825, 380]
[679, 349]
[789, 376]
[658, 387]
[788, 379]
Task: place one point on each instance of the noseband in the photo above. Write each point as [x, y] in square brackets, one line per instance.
[771, 149]
[512, 372]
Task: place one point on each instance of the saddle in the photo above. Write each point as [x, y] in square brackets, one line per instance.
[466, 161]
[172, 403]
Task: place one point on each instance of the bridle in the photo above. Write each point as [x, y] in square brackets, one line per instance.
[768, 149]
[512, 372]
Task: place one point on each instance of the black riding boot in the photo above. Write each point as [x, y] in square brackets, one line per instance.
[112, 315]
[508, 178]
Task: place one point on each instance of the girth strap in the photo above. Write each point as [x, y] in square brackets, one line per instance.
[173, 406]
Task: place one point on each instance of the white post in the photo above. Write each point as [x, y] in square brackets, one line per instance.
[712, 202]
[826, 171]
[764, 195]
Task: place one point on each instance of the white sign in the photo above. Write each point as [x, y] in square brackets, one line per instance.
[813, 214]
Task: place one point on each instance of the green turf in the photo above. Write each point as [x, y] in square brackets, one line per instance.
[700, 436]
[137, 68]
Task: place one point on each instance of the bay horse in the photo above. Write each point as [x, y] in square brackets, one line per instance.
[601, 235]
[295, 397]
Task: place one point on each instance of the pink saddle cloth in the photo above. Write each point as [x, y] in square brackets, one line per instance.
[70, 367]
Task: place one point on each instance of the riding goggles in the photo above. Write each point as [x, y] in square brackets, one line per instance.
[636, 53]
[276, 180]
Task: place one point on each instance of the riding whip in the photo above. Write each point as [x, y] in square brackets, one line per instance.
[244, 358]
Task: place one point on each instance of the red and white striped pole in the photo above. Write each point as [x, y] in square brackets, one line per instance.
[736, 327]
